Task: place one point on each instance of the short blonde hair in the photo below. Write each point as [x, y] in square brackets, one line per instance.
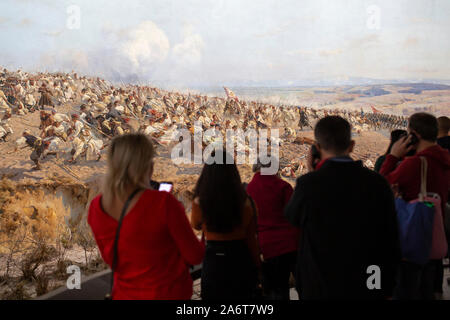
[130, 158]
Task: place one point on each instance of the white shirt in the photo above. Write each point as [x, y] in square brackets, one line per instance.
[120, 109]
[149, 130]
[29, 99]
[61, 117]
[78, 127]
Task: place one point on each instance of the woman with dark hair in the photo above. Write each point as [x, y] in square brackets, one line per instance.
[227, 217]
[395, 136]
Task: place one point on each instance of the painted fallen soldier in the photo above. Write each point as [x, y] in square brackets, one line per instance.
[36, 144]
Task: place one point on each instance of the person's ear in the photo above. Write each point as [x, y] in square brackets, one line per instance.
[318, 147]
[351, 147]
[417, 134]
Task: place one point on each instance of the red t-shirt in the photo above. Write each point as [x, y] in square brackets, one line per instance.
[156, 248]
[275, 234]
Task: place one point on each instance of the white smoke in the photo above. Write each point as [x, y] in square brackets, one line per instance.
[136, 54]
[190, 51]
[142, 48]
[65, 60]
[123, 55]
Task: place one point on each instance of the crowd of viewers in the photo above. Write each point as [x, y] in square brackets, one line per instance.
[338, 222]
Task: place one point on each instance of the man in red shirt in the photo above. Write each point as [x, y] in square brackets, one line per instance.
[423, 128]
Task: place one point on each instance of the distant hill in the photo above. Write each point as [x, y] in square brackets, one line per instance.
[372, 92]
[423, 86]
[417, 88]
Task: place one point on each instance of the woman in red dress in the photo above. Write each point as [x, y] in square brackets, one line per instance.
[156, 244]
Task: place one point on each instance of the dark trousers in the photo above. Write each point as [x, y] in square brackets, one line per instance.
[416, 282]
[276, 275]
[228, 272]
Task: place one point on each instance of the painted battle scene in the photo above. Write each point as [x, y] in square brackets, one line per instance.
[190, 72]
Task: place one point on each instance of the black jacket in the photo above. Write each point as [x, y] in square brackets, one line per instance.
[348, 221]
[444, 142]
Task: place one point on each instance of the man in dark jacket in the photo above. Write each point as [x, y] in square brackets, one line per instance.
[349, 247]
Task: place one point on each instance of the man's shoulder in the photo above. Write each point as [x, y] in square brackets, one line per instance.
[444, 142]
[357, 171]
[309, 178]
[373, 176]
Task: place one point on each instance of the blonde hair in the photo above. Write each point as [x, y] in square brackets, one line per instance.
[130, 159]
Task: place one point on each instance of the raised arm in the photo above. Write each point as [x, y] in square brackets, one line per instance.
[191, 249]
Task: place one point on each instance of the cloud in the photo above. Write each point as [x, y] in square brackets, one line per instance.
[122, 55]
[411, 41]
[277, 30]
[66, 60]
[329, 53]
[190, 51]
[416, 20]
[3, 20]
[316, 52]
[53, 33]
[25, 22]
[143, 47]
[368, 40]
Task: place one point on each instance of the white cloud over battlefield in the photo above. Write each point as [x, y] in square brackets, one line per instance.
[134, 54]
[213, 42]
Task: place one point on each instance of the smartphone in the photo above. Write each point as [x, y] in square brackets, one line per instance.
[414, 140]
[166, 186]
[154, 185]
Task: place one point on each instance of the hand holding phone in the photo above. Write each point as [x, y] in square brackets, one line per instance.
[404, 145]
[413, 139]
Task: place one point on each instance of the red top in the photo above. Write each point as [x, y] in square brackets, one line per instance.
[407, 174]
[156, 248]
[275, 234]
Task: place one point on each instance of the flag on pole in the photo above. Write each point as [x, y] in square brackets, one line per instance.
[375, 110]
[230, 94]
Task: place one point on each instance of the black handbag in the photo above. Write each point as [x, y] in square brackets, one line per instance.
[108, 296]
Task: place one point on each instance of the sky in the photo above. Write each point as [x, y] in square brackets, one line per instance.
[229, 42]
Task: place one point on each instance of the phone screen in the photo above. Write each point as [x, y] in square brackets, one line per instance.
[165, 186]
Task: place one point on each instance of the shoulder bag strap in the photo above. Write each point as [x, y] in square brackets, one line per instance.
[423, 178]
[116, 240]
